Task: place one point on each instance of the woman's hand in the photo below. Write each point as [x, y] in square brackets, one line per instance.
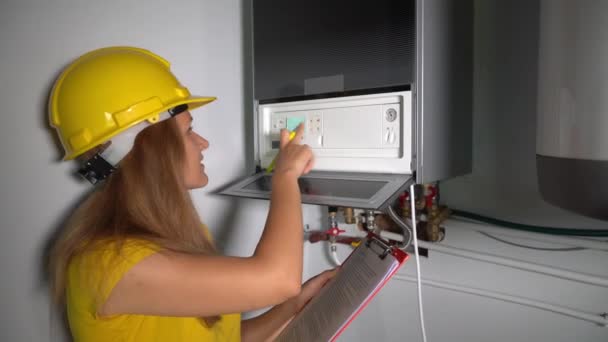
[294, 158]
[311, 288]
[269, 325]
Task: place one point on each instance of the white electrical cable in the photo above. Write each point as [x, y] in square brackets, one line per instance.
[595, 318]
[413, 210]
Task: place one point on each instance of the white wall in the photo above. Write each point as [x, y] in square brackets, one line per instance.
[203, 40]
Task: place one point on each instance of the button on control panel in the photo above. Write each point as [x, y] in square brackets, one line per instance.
[390, 125]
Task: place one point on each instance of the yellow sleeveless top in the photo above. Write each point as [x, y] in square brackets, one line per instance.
[91, 278]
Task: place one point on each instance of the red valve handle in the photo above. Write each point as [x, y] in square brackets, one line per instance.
[335, 231]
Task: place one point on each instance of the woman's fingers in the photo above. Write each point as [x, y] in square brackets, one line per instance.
[284, 138]
[309, 165]
[299, 133]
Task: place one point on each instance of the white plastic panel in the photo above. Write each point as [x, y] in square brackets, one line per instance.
[367, 133]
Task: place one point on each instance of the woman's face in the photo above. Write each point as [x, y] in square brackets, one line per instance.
[194, 169]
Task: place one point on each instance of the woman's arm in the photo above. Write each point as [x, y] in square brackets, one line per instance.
[283, 233]
[179, 284]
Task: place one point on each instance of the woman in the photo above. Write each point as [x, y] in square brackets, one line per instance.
[135, 263]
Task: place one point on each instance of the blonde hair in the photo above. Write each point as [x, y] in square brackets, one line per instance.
[145, 198]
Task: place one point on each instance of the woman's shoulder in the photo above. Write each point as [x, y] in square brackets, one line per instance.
[121, 253]
[103, 263]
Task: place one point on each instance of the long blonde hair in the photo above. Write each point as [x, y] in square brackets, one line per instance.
[145, 198]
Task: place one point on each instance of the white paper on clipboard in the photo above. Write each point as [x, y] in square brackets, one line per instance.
[361, 276]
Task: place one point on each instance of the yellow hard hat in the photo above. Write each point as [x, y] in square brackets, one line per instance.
[106, 91]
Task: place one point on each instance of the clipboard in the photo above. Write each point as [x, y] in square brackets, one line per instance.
[366, 270]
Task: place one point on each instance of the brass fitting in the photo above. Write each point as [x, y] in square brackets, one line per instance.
[349, 215]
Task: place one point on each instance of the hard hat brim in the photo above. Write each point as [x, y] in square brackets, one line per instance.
[193, 102]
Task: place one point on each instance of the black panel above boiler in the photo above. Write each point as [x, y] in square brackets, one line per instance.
[332, 46]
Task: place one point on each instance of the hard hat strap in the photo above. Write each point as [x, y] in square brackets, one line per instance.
[96, 169]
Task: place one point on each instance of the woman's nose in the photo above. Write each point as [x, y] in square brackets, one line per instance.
[204, 143]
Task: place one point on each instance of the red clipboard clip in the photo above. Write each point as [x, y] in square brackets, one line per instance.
[383, 248]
